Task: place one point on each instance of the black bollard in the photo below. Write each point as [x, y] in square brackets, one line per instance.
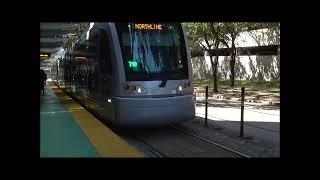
[206, 116]
[242, 107]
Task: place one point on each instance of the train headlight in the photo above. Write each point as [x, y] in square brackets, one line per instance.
[133, 89]
[183, 86]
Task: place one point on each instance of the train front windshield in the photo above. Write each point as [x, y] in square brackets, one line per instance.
[153, 51]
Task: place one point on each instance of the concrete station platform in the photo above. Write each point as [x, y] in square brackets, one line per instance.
[69, 130]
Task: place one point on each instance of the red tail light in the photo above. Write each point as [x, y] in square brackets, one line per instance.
[126, 87]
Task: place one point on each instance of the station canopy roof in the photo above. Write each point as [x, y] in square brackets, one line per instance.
[53, 36]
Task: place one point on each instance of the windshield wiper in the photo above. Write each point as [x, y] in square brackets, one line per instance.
[163, 83]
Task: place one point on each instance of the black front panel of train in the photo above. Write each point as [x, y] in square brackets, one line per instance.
[153, 51]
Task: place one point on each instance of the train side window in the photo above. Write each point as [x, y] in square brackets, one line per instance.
[105, 52]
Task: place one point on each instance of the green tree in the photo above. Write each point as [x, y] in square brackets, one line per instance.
[272, 33]
[230, 31]
[207, 36]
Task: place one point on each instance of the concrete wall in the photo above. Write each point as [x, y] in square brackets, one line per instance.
[247, 67]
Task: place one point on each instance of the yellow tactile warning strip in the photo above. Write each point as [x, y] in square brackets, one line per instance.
[107, 143]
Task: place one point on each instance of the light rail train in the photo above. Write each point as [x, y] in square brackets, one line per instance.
[137, 73]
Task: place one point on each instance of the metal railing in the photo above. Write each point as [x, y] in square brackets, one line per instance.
[242, 123]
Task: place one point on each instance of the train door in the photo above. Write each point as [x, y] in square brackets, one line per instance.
[106, 67]
[106, 71]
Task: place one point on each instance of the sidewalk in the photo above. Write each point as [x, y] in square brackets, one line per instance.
[261, 128]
